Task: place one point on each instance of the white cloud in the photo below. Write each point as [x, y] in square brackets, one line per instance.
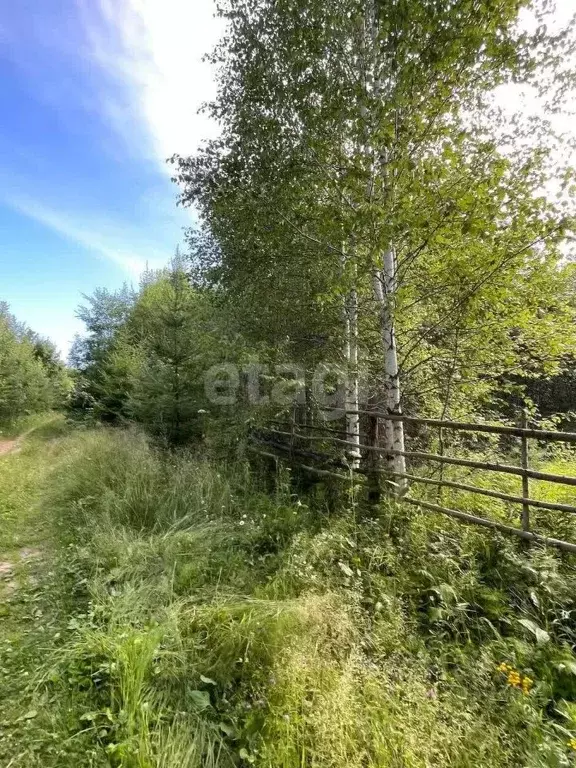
[58, 326]
[102, 238]
[153, 49]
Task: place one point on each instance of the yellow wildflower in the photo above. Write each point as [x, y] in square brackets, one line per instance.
[572, 744]
[514, 678]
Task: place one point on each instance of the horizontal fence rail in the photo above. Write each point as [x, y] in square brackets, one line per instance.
[492, 467]
[485, 492]
[460, 426]
[284, 439]
[503, 468]
[465, 517]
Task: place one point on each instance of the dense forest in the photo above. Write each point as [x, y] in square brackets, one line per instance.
[385, 221]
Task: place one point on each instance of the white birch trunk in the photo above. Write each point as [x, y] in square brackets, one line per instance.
[384, 277]
[384, 284]
[352, 385]
[351, 394]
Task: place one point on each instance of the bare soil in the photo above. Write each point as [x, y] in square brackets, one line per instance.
[7, 445]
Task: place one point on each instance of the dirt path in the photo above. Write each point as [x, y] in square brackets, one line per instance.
[8, 583]
[12, 560]
[7, 445]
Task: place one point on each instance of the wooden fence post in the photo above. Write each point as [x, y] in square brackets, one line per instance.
[293, 428]
[374, 479]
[525, 478]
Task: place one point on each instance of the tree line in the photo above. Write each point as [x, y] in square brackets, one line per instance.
[32, 376]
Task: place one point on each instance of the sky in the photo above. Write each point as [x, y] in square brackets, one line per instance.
[94, 96]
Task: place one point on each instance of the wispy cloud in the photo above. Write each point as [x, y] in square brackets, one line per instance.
[153, 49]
[102, 238]
[97, 94]
[131, 65]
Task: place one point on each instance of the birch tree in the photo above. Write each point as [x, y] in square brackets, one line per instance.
[360, 143]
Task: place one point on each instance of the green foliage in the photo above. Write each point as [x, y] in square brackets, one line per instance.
[352, 127]
[146, 355]
[100, 372]
[176, 346]
[32, 378]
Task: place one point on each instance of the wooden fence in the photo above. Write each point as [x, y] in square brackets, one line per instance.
[294, 442]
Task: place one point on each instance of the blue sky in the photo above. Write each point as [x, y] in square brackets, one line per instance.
[94, 95]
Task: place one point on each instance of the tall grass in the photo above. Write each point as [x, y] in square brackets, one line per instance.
[216, 625]
[549, 458]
